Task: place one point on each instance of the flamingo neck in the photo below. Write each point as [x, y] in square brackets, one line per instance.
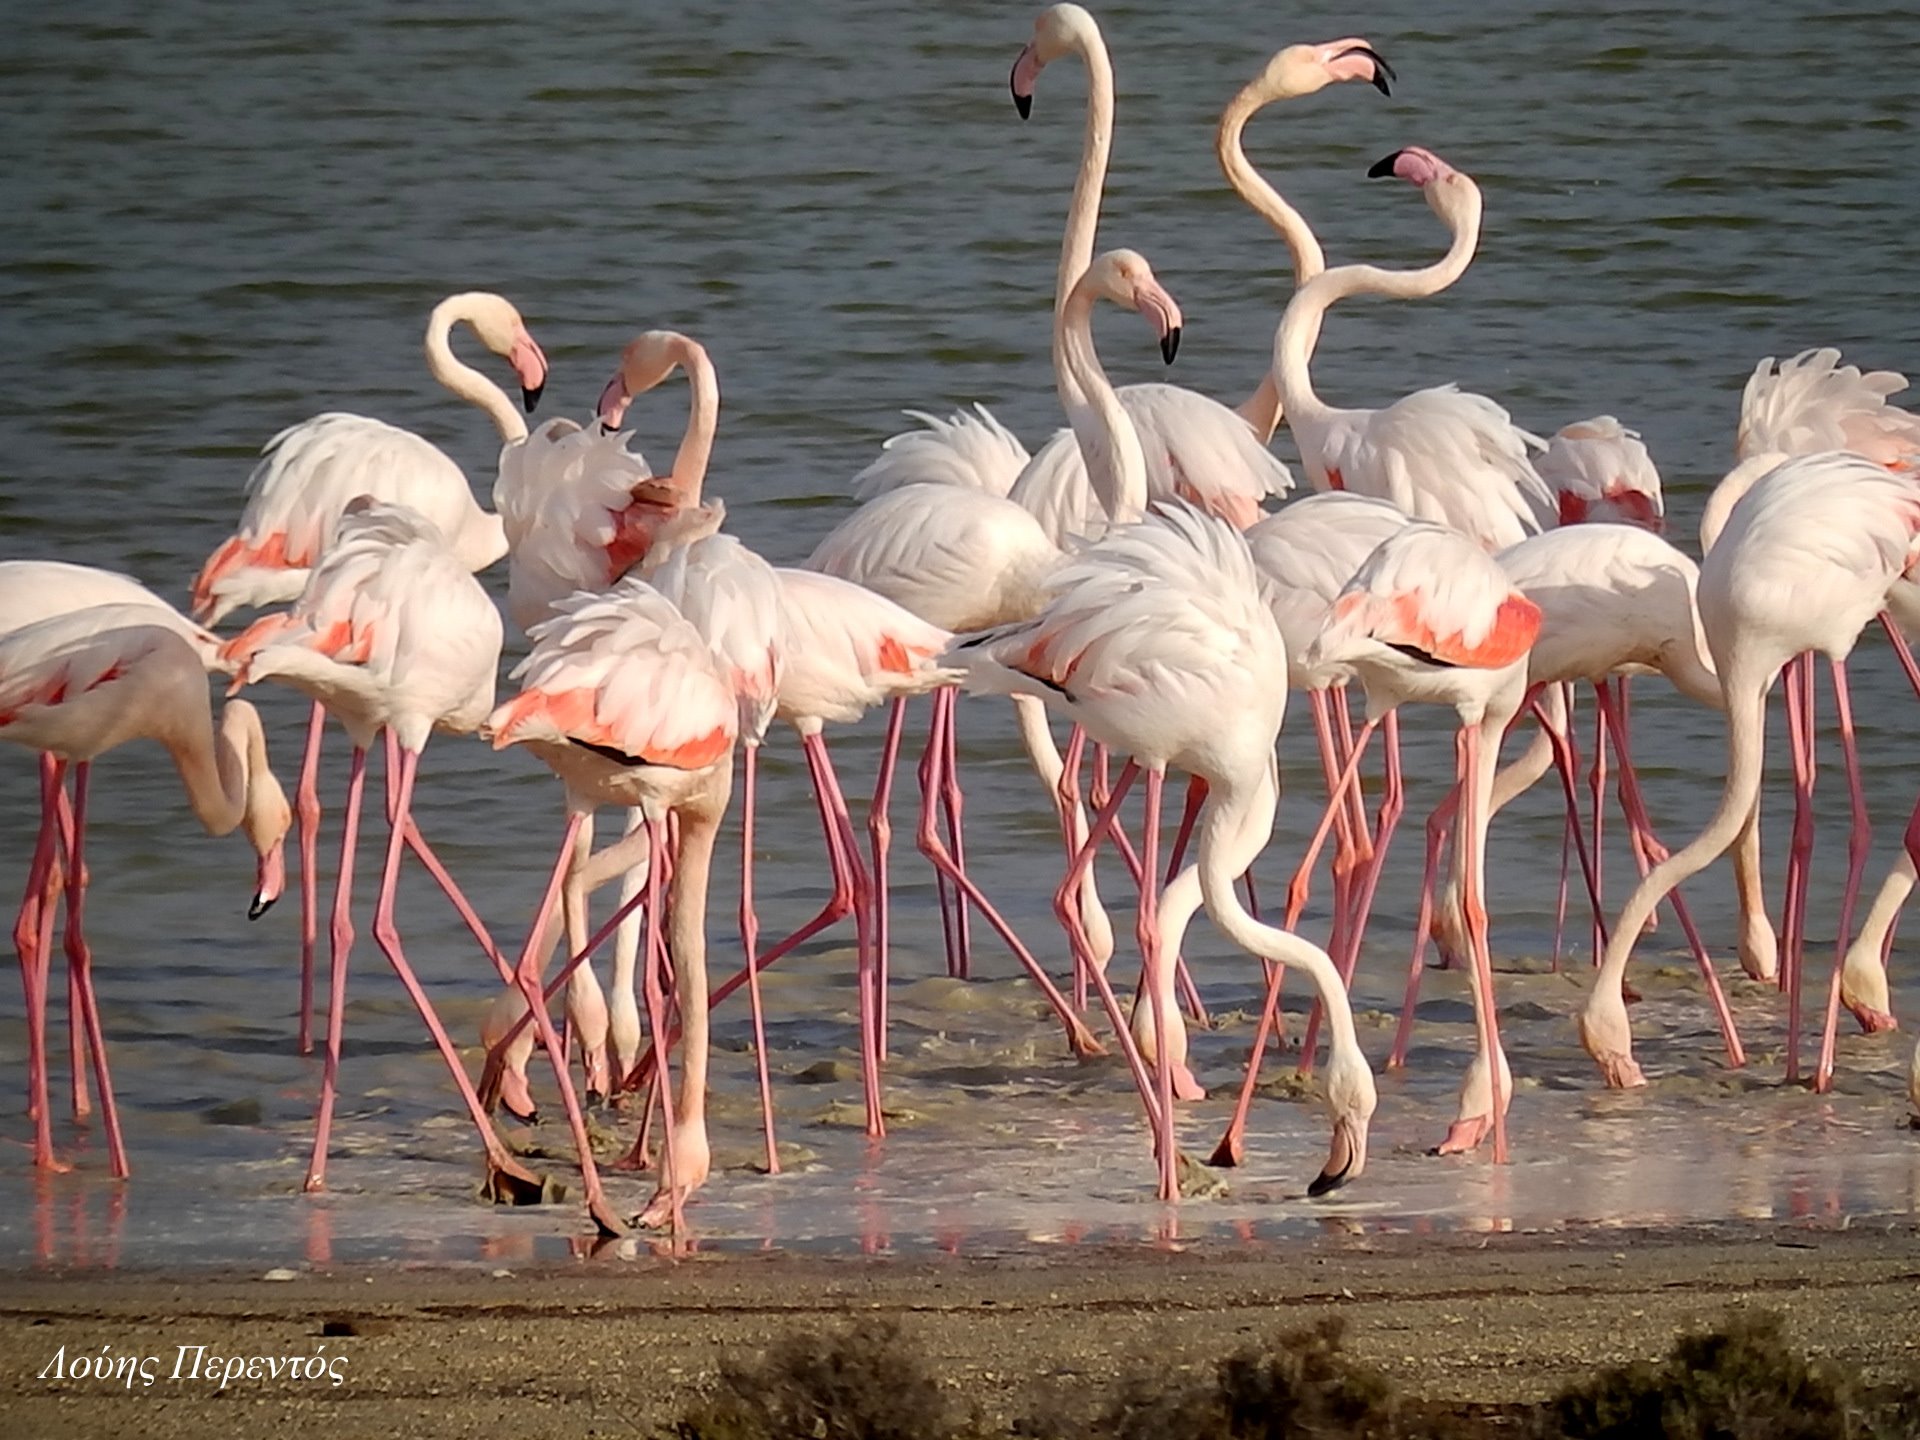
[703, 419]
[1116, 465]
[462, 379]
[1299, 329]
[1235, 822]
[1262, 409]
[1729, 492]
[1083, 211]
[217, 766]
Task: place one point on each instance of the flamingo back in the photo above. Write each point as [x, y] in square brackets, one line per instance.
[623, 674]
[1305, 554]
[1600, 471]
[973, 451]
[57, 673]
[1813, 403]
[1429, 592]
[732, 597]
[850, 649]
[32, 590]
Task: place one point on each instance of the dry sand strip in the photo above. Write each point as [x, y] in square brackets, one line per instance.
[614, 1347]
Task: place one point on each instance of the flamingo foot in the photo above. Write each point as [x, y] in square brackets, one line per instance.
[690, 1165]
[610, 1225]
[1185, 1087]
[52, 1164]
[1082, 1042]
[1465, 1135]
[1872, 1021]
[508, 1182]
[1230, 1152]
[1620, 1071]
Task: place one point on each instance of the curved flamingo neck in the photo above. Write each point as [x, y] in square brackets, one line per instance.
[217, 767]
[1083, 211]
[1728, 493]
[703, 418]
[1262, 409]
[461, 378]
[1116, 465]
[1300, 325]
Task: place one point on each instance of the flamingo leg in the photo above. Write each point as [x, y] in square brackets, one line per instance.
[1859, 838]
[1358, 858]
[1634, 804]
[1436, 828]
[828, 784]
[1800, 722]
[750, 937]
[1097, 797]
[880, 838]
[1596, 790]
[840, 903]
[954, 804]
[32, 940]
[58, 881]
[1147, 931]
[1472, 840]
[1567, 764]
[654, 988]
[339, 947]
[1190, 812]
[505, 1174]
[80, 964]
[306, 810]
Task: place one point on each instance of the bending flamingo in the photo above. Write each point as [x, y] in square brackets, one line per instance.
[1600, 471]
[75, 686]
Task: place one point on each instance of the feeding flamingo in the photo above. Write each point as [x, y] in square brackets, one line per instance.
[1599, 470]
[75, 686]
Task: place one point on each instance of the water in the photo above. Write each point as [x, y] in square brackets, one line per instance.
[223, 219]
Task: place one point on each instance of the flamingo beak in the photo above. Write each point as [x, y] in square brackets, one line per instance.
[270, 880]
[1346, 1157]
[530, 364]
[1163, 312]
[1414, 164]
[1377, 72]
[1025, 71]
[614, 400]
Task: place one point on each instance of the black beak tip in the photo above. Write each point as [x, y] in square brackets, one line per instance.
[1023, 104]
[1382, 166]
[1170, 344]
[530, 397]
[259, 907]
[1380, 78]
[1326, 1182]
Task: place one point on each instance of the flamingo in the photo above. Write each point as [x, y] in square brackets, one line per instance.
[75, 686]
[1158, 644]
[1599, 470]
[1430, 617]
[1809, 403]
[307, 476]
[622, 698]
[1834, 527]
[393, 633]
[963, 559]
[1438, 454]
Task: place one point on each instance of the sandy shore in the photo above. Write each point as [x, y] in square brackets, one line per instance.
[612, 1346]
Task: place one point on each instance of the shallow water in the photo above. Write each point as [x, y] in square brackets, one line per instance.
[225, 220]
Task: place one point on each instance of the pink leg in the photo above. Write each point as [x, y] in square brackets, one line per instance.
[1472, 829]
[32, 939]
[1566, 764]
[880, 837]
[59, 879]
[655, 990]
[1097, 797]
[1859, 838]
[1436, 830]
[1147, 931]
[1637, 821]
[307, 814]
[1196, 795]
[504, 1173]
[840, 903]
[749, 941]
[1800, 723]
[80, 963]
[340, 946]
[1597, 788]
[828, 783]
[954, 803]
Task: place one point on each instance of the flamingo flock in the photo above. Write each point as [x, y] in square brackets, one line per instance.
[1144, 577]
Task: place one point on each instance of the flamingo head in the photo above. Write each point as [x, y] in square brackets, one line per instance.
[1056, 30]
[502, 331]
[1607, 1036]
[1451, 193]
[1350, 1103]
[650, 357]
[1302, 69]
[1125, 278]
[266, 820]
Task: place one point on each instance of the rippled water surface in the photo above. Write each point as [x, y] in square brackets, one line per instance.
[222, 219]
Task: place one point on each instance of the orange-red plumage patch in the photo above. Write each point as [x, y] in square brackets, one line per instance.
[1335, 480]
[269, 553]
[1515, 625]
[248, 642]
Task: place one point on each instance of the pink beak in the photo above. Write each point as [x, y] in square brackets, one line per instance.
[271, 879]
[1164, 314]
[1026, 70]
[530, 364]
[614, 400]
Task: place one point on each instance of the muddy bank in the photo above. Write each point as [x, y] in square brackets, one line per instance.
[612, 1347]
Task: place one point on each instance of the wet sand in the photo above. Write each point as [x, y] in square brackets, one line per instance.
[613, 1347]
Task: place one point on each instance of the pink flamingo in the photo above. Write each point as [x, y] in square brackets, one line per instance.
[74, 686]
[393, 633]
[622, 699]
[1832, 525]
[1438, 454]
[1430, 617]
[307, 476]
[1157, 643]
[1600, 471]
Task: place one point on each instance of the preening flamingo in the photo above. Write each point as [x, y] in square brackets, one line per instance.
[1429, 617]
[392, 633]
[1599, 470]
[1804, 560]
[74, 686]
[1438, 454]
[307, 476]
[1157, 642]
[623, 700]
